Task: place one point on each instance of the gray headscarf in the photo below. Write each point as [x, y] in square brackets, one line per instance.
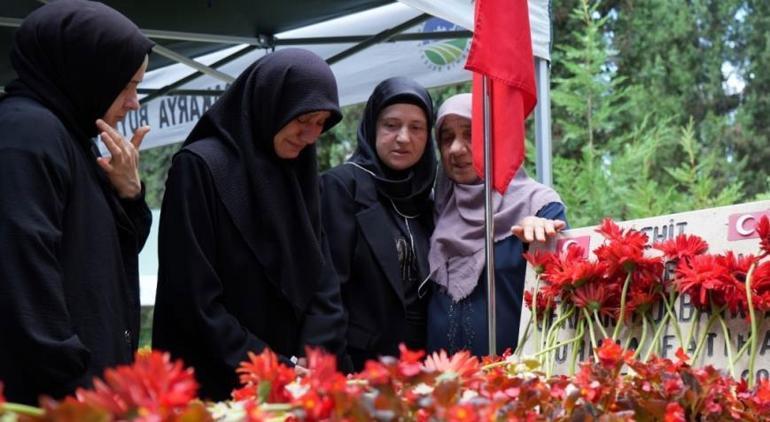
[457, 245]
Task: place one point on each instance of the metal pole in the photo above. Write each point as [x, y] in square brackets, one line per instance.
[200, 67]
[543, 123]
[489, 220]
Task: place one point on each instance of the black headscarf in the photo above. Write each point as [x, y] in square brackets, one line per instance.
[75, 57]
[409, 189]
[284, 221]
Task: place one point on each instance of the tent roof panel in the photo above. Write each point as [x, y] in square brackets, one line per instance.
[242, 18]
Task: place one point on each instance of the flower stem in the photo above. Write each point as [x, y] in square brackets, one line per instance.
[553, 332]
[575, 349]
[656, 337]
[621, 316]
[728, 342]
[276, 407]
[594, 345]
[489, 366]
[558, 345]
[644, 336]
[742, 351]
[599, 323]
[554, 329]
[547, 323]
[21, 409]
[695, 324]
[524, 338]
[705, 334]
[752, 316]
[672, 296]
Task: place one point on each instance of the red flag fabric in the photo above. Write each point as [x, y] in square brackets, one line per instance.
[501, 49]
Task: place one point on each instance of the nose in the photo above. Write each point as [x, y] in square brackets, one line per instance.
[310, 133]
[132, 101]
[403, 134]
[457, 147]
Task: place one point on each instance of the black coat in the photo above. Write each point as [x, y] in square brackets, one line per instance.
[360, 230]
[69, 285]
[215, 301]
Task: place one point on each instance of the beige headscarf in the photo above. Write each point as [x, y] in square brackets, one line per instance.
[457, 245]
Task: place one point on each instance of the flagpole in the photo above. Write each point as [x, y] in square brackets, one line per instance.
[543, 123]
[489, 220]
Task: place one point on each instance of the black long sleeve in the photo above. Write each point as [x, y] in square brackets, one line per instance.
[36, 326]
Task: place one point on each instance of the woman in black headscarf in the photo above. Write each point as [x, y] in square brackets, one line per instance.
[243, 260]
[378, 213]
[71, 223]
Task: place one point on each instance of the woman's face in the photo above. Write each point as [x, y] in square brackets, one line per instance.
[299, 133]
[402, 132]
[127, 100]
[455, 147]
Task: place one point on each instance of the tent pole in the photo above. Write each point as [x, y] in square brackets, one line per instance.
[169, 88]
[378, 38]
[543, 123]
[200, 67]
[489, 219]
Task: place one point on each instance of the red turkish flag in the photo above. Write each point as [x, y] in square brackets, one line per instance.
[501, 49]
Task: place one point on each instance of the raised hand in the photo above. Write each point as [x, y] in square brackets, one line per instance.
[122, 166]
[533, 228]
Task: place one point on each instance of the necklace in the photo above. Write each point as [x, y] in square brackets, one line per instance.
[393, 204]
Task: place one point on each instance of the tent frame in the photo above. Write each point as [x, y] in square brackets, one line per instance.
[265, 41]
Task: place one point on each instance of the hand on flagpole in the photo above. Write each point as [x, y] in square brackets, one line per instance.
[531, 229]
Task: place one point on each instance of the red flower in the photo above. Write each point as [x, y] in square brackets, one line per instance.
[596, 296]
[263, 378]
[462, 413]
[545, 307]
[625, 249]
[611, 355]
[763, 230]
[2, 398]
[640, 301]
[674, 413]
[317, 407]
[571, 273]
[375, 373]
[700, 277]
[462, 363]
[540, 260]
[610, 230]
[760, 285]
[409, 364]
[682, 355]
[323, 376]
[153, 385]
[762, 394]
[682, 247]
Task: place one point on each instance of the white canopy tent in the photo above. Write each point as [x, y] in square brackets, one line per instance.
[391, 47]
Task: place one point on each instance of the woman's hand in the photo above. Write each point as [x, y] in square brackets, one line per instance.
[532, 228]
[122, 166]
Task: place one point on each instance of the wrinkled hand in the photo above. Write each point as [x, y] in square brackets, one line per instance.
[122, 166]
[538, 229]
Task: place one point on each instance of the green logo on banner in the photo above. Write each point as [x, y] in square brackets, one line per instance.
[443, 54]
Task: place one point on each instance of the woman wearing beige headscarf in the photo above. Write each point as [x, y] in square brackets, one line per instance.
[528, 211]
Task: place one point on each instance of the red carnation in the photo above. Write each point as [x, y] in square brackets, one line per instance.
[153, 385]
[683, 246]
[263, 378]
